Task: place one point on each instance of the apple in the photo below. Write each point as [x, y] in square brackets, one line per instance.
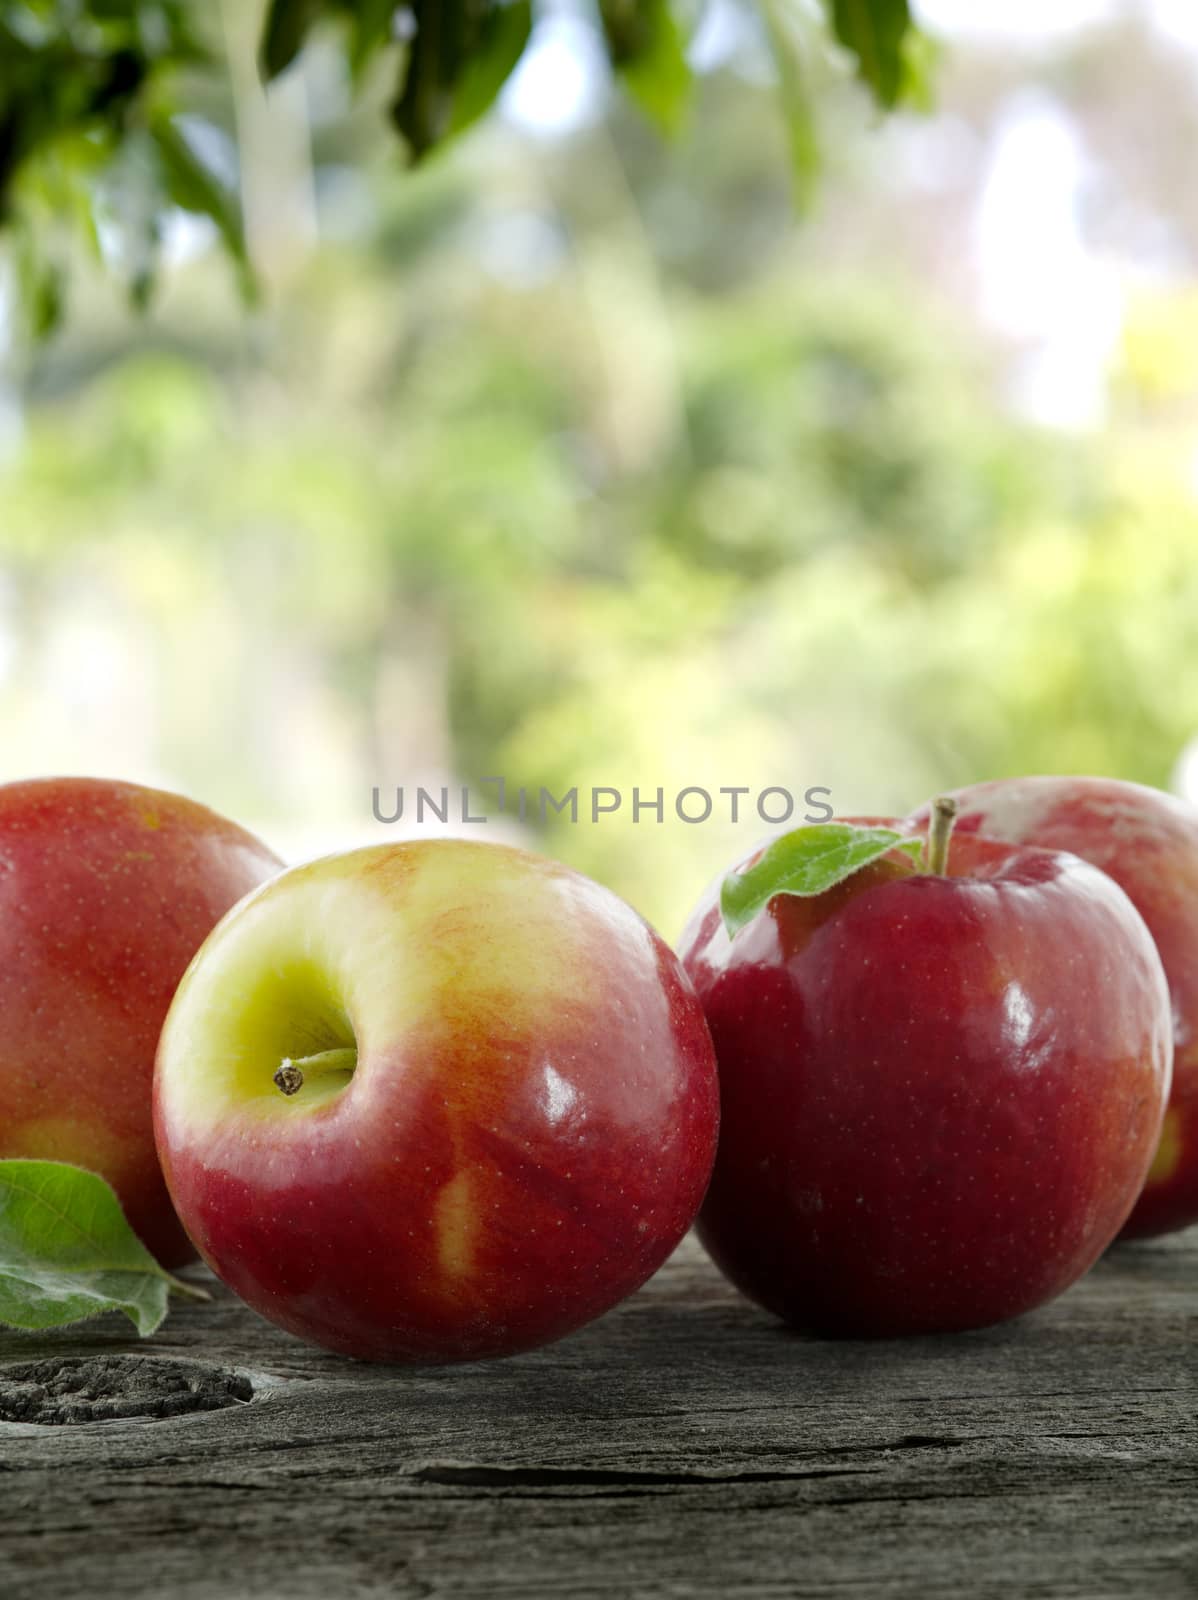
[1148, 842]
[106, 892]
[435, 1101]
[942, 1081]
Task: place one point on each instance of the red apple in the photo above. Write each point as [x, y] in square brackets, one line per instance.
[1148, 842]
[106, 892]
[435, 1101]
[940, 1089]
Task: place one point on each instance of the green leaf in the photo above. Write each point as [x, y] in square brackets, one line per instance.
[648, 50]
[194, 187]
[876, 32]
[283, 34]
[806, 862]
[371, 31]
[802, 133]
[289, 22]
[40, 288]
[460, 57]
[67, 1252]
[921, 61]
[505, 33]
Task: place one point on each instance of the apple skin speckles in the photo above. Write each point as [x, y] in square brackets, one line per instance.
[1147, 841]
[940, 1094]
[528, 1131]
[107, 890]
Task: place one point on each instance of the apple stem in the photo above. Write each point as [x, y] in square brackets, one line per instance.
[293, 1071]
[940, 827]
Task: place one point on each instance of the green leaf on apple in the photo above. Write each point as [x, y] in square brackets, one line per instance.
[67, 1252]
[806, 862]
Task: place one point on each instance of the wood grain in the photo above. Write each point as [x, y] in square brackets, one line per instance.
[686, 1445]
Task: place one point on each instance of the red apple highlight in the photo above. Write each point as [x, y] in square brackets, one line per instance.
[106, 892]
[940, 1089]
[1148, 842]
[435, 1101]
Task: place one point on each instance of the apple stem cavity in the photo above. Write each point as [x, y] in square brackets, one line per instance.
[940, 827]
[293, 1072]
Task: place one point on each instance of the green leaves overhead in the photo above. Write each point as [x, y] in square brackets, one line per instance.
[876, 32]
[648, 50]
[456, 57]
[459, 59]
[891, 57]
[84, 88]
[786, 43]
[284, 32]
[81, 69]
[193, 186]
[89, 146]
[67, 1253]
[806, 862]
[371, 25]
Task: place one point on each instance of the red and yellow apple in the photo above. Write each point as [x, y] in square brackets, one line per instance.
[941, 1089]
[106, 892]
[435, 1101]
[1148, 843]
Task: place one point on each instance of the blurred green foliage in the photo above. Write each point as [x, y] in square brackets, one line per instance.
[574, 462]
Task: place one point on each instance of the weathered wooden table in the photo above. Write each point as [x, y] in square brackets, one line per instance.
[685, 1445]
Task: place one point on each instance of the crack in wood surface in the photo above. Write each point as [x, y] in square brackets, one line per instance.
[452, 1475]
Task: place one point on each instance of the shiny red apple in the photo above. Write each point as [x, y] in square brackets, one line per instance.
[106, 892]
[435, 1101]
[941, 1089]
[1148, 842]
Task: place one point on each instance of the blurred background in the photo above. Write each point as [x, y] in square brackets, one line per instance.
[581, 457]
